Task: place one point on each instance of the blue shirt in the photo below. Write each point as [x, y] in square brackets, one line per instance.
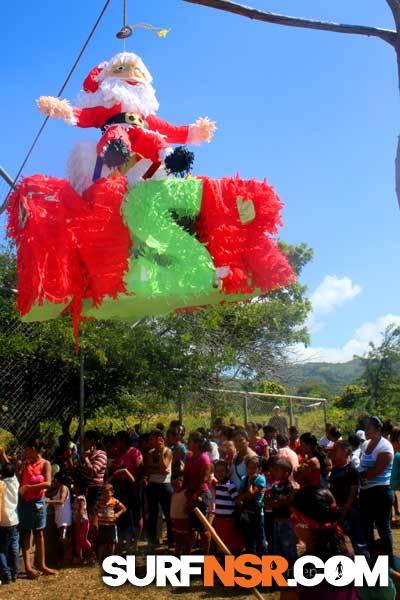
[258, 482]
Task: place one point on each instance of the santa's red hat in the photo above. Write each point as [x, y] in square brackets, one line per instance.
[91, 83]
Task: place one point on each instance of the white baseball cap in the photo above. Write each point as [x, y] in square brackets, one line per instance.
[361, 434]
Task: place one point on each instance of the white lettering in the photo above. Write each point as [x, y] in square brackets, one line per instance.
[380, 572]
[150, 571]
[119, 574]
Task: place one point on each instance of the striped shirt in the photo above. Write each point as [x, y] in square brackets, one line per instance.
[225, 495]
[94, 477]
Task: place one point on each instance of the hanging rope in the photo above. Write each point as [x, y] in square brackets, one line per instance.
[64, 85]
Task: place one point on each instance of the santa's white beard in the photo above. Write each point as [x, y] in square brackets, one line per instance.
[139, 98]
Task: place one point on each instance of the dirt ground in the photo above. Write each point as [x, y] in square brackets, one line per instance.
[85, 583]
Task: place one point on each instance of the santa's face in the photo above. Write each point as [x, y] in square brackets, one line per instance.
[128, 71]
[123, 80]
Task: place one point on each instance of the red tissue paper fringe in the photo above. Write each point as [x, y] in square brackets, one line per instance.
[69, 247]
[47, 260]
[247, 251]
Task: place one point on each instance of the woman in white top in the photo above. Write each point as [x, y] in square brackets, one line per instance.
[62, 513]
[376, 497]
[158, 463]
[244, 452]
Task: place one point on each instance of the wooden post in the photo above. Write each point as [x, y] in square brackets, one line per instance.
[221, 545]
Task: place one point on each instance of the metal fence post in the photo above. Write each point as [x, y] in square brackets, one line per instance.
[245, 410]
[81, 397]
[325, 411]
[291, 411]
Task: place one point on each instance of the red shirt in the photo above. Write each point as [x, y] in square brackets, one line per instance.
[128, 460]
[194, 471]
[32, 474]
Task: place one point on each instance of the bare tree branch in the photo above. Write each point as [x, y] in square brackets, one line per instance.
[387, 35]
[394, 6]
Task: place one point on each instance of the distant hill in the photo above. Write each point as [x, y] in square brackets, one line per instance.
[328, 376]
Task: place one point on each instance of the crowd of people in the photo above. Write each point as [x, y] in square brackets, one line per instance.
[265, 490]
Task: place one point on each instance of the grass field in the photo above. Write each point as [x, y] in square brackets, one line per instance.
[86, 584]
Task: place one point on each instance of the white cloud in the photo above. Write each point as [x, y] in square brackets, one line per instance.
[368, 332]
[333, 292]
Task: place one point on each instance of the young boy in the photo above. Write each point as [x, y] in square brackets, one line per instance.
[224, 495]
[279, 498]
[251, 500]
[9, 536]
[106, 513]
[344, 485]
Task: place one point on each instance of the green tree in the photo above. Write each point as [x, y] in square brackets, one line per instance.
[271, 387]
[381, 373]
[352, 397]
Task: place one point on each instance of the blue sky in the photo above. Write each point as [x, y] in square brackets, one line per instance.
[316, 113]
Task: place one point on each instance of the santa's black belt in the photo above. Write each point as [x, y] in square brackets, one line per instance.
[127, 117]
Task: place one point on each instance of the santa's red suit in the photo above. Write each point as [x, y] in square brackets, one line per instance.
[147, 136]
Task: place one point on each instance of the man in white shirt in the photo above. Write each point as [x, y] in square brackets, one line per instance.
[9, 535]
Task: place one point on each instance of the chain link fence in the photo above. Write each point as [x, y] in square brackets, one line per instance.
[32, 389]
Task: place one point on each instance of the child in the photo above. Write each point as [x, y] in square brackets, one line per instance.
[279, 499]
[228, 453]
[344, 485]
[9, 535]
[266, 469]
[224, 500]
[80, 525]
[251, 500]
[62, 514]
[106, 513]
[179, 518]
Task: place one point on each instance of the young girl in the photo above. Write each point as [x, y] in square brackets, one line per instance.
[106, 514]
[179, 517]
[80, 525]
[251, 501]
[62, 514]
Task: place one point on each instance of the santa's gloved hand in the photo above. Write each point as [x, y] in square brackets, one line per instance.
[201, 131]
[54, 107]
[115, 153]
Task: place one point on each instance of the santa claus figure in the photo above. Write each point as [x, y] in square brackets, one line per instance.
[118, 98]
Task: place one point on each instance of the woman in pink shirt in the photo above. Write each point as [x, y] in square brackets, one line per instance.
[257, 443]
[125, 477]
[196, 477]
[35, 479]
